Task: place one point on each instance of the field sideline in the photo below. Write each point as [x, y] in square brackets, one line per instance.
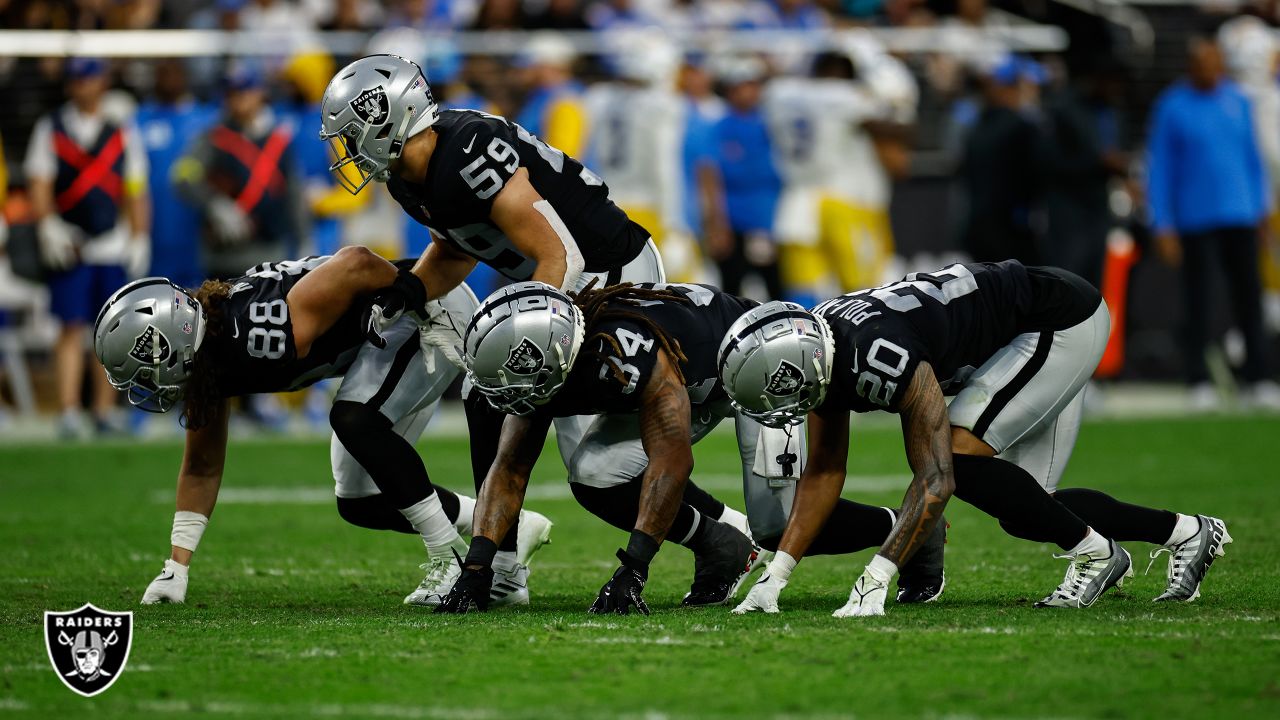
[294, 613]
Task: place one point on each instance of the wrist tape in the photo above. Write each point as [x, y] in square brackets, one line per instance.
[781, 566]
[187, 529]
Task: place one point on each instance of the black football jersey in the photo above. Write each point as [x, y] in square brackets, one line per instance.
[955, 319]
[255, 353]
[698, 326]
[475, 155]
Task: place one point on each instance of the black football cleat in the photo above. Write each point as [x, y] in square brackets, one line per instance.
[719, 572]
[921, 590]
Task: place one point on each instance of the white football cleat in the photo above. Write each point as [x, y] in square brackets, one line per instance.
[510, 586]
[1190, 559]
[535, 531]
[1088, 577]
[442, 573]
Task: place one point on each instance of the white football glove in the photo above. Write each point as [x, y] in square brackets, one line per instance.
[866, 599]
[170, 586]
[441, 331]
[229, 223]
[763, 596]
[57, 243]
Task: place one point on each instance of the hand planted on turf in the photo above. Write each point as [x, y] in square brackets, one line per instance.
[866, 599]
[405, 294]
[763, 596]
[470, 593]
[170, 586]
[623, 590]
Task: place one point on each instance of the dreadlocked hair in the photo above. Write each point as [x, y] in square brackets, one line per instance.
[202, 399]
[612, 302]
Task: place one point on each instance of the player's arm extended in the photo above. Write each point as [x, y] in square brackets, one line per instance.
[199, 480]
[502, 494]
[325, 294]
[927, 434]
[819, 486]
[442, 268]
[535, 228]
[665, 433]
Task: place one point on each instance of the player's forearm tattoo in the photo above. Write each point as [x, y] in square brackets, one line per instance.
[664, 427]
[928, 444]
[502, 495]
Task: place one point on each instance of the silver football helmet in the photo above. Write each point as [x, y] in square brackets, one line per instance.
[369, 109]
[147, 336]
[775, 363]
[520, 345]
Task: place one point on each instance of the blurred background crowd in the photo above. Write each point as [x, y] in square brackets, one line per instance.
[778, 148]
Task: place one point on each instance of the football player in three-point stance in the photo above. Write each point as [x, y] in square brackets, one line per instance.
[1015, 345]
[282, 326]
[643, 357]
[490, 192]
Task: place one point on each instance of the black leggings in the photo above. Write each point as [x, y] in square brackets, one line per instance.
[851, 527]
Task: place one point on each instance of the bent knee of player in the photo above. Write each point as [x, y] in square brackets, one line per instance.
[352, 420]
[964, 442]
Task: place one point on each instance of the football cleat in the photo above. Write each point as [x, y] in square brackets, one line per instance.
[1190, 559]
[921, 579]
[718, 574]
[920, 590]
[442, 573]
[510, 587]
[534, 532]
[1088, 577]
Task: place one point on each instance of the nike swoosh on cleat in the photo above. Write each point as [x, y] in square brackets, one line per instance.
[467, 149]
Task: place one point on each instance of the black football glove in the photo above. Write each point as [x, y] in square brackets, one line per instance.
[470, 593]
[622, 592]
[406, 294]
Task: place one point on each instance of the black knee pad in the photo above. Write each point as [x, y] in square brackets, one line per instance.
[352, 420]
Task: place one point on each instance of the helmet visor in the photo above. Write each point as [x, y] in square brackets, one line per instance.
[352, 169]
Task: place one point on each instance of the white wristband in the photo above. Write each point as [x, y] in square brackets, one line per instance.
[781, 566]
[187, 529]
[882, 569]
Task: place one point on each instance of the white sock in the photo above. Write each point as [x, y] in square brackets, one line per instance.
[504, 560]
[428, 518]
[466, 515]
[1184, 529]
[733, 517]
[1093, 545]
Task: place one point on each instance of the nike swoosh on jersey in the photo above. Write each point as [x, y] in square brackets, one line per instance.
[467, 149]
[235, 328]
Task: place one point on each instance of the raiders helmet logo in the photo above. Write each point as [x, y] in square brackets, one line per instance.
[371, 106]
[88, 647]
[786, 380]
[151, 347]
[525, 358]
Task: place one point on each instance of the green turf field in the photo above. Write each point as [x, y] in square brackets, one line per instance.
[293, 613]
